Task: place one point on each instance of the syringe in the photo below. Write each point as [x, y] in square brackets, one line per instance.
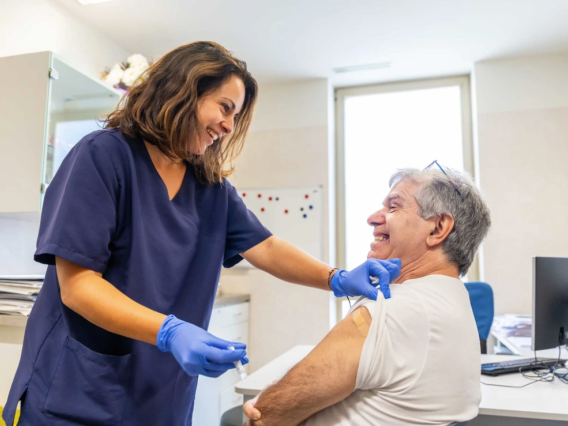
[239, 365]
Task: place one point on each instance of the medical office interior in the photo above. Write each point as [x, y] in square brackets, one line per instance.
[349, 92]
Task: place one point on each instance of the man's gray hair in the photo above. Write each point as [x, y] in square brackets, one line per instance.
[436, 196]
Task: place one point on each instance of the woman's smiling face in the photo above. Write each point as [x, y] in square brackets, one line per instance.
[217, 112]
[398, 229]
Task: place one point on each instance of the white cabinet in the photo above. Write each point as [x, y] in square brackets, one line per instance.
[46, 107]
[215, 396]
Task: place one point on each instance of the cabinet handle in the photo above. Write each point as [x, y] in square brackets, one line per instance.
[53, 74]
[237, 314]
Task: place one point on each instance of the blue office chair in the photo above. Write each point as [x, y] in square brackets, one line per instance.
[481, 299]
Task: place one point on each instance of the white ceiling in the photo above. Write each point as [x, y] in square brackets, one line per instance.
[300, 39]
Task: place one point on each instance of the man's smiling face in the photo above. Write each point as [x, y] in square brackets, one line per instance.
[398, 229]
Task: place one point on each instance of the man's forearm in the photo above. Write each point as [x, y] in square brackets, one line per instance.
[291, 400]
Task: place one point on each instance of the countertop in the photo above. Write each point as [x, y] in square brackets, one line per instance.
[231, 299]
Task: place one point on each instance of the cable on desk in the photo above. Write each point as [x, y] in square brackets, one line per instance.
[537, 376]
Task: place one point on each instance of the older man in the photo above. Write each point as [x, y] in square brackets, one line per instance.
[412, 359]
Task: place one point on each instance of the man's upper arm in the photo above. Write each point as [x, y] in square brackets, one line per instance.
[326, 376]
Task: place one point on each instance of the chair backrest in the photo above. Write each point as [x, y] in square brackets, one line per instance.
[481, 299]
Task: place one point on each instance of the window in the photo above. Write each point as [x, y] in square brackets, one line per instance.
[387, 127]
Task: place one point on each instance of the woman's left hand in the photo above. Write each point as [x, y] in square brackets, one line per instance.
[357, 282]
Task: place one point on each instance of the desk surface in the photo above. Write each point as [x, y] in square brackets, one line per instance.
[544, 400]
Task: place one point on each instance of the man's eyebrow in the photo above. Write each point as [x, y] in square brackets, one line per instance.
[393, 197]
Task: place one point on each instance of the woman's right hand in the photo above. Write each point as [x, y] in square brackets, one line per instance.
[196, 350]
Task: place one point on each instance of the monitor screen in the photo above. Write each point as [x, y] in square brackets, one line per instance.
[550, 302]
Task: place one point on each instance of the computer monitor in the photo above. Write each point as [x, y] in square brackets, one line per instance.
[550, 302]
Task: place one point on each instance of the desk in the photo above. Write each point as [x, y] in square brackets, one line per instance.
[544, 401]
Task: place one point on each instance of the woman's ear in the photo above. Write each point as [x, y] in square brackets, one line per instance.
[443, 225]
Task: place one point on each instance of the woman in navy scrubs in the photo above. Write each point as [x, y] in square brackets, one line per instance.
[135, 228]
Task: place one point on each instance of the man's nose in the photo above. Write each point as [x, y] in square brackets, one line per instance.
[376, 218]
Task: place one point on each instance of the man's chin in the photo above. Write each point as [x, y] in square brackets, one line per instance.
[378, 256]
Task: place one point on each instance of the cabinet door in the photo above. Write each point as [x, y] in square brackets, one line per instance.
[23, 99]
[77, 106]
[46, 107]
[224, 316]
[229, 399]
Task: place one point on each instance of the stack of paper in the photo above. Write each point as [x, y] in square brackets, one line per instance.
[17, 295]
[513, 325]
[514, 332]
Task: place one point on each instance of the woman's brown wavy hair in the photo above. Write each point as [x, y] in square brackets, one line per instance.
[161, 107]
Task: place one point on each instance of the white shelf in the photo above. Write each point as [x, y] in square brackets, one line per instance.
[13, 320]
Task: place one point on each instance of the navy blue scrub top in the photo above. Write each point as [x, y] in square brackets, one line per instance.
[108, 210]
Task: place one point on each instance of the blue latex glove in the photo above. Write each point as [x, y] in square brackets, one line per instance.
[196, 350]
[358, 281]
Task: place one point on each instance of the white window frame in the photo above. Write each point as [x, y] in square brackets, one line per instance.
[341, 94]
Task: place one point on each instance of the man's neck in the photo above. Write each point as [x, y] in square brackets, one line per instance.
[428, 264]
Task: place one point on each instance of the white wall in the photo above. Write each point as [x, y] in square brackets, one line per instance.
[38, 25]
[289, 145]
[522, 138]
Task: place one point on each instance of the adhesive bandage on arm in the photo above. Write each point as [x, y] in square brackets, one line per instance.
[361, 323]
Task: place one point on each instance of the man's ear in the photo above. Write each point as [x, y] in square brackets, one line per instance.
[443, 225]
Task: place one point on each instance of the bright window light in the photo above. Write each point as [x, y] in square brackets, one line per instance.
[388, 131]
[87, 2]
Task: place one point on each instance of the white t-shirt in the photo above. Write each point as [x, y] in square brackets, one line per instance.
[420, 363]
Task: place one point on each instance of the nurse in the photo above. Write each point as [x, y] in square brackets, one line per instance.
[135, 227]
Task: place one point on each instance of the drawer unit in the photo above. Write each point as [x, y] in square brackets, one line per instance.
[215, 396]
[229, 399]
[223, 316]
[234, 333]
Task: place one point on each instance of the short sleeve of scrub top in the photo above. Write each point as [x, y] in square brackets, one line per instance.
[82, 214]
[242, 229]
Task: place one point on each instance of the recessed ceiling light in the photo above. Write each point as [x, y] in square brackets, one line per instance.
[365, 67]
[87, 2]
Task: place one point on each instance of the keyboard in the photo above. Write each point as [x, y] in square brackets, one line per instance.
[516, 365]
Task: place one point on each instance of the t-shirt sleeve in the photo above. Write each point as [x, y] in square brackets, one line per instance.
[79, 215]
[372, 354]
[244, 230]
[395, 348]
